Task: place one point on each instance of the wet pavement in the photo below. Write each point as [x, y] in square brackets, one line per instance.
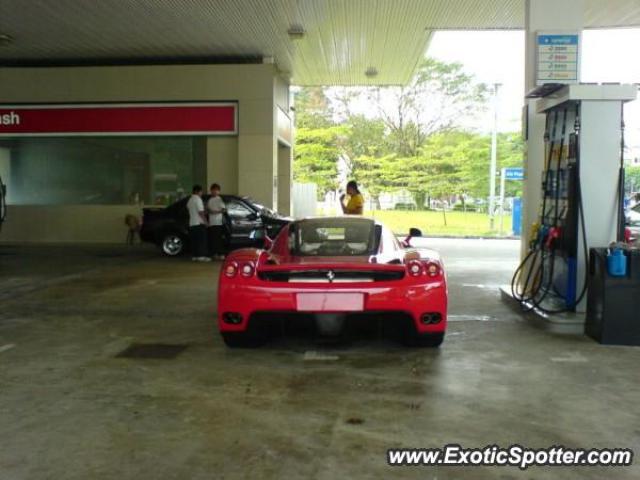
[72, 408]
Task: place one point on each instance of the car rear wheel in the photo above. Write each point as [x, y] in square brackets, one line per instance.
[429, 340]
[172, 244]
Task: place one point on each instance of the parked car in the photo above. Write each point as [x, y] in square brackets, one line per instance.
[327, 272]
[633, 214]
[247, 224]
[632, 217]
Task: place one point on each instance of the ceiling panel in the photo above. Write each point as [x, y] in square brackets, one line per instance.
[343, 38]
[612, 13]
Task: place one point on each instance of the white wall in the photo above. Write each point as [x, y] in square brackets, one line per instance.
[305, 201]
[246, 164]
[66, 224]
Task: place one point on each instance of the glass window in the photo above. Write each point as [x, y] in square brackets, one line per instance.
[238, 209]
[259, 206]
[98, 170]
[340, 237]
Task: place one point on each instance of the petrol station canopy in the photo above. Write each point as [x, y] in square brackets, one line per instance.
[313, 42]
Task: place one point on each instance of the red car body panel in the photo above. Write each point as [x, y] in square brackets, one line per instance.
[259, 292]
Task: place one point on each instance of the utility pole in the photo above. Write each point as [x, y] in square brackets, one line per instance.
[503, 179]
[494, 156]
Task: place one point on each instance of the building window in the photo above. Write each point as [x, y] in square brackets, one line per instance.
[97, 170]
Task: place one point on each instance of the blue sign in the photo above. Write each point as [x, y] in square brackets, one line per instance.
[514, 173]
[516, 219]
[557, 39]
[558, 57]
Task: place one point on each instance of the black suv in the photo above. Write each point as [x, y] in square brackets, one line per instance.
[246, 224]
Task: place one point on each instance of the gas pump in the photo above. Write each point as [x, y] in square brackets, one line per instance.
[580, 202]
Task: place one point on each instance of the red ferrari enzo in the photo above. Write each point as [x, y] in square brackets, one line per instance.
[331, 271]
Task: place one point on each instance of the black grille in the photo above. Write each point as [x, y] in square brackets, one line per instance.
[327, 275]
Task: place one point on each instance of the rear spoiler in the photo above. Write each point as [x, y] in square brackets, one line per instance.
[359, 266]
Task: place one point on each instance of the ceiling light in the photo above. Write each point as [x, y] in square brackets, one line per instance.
[5, 39]
[371, 72]
[296, 32]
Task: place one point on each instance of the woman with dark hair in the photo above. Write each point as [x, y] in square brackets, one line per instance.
[355, 204]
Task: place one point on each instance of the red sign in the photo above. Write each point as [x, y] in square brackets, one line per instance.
[119, 119]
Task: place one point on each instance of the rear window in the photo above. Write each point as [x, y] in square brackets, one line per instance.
[333, 237]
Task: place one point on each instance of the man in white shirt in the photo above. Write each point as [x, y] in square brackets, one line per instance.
[197, 226]
[216, 209]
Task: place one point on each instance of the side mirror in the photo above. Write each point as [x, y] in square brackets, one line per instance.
[413, 232]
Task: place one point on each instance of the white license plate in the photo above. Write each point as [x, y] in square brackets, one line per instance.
[330, 302]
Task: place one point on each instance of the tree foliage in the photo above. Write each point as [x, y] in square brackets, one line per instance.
[313, 109]
[412, 138]
[316, 154]
[632, 179]
[438, 97]
[318, 139]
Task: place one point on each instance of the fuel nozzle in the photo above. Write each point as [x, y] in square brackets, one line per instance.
[534, 235]
[552, 235]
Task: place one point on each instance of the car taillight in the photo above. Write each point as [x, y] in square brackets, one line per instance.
[433, 269]
[231, 269]
[247, 269]
[415, 268]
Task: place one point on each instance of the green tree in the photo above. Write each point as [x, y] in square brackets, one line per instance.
[456, 164]
[317, 140]
[414, 142]
[376, 173]
[365, 155]
[632, 179]
[316, 156]
[476, 150]
[312, 108]
[437, 99]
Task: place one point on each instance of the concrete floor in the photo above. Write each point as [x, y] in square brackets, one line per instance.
[70, 410]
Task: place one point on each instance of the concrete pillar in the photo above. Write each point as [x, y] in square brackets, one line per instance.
[285, 179]
[565, 15]
[283, 137]
[258, 151]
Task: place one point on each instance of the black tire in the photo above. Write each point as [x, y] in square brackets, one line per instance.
[173, 244]
[428, 340]
[243, 339]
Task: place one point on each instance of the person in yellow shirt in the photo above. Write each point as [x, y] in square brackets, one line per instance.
[355, 204]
